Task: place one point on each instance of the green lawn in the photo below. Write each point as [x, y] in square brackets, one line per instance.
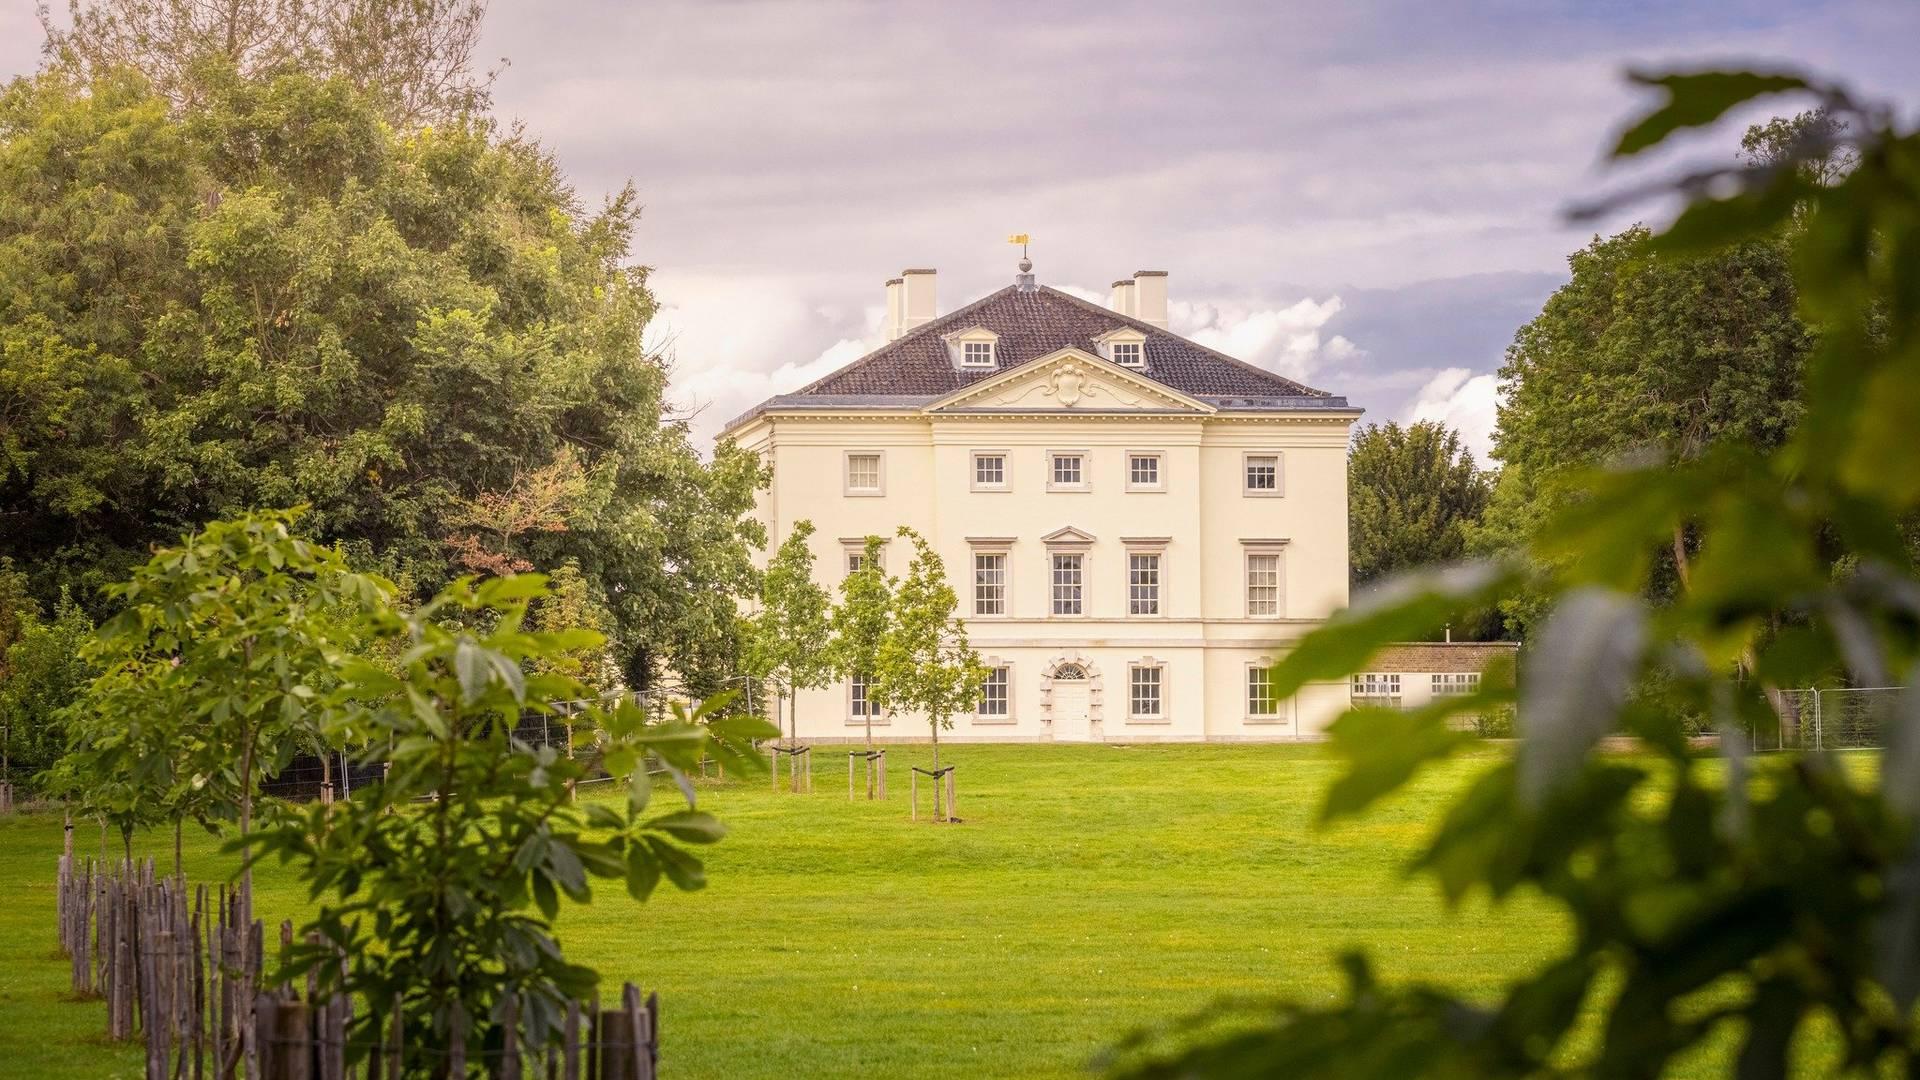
[1090, 889]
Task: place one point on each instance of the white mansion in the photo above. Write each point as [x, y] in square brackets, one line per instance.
[1137, 525]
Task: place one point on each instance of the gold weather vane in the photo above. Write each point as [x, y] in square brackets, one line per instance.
[1023, 240]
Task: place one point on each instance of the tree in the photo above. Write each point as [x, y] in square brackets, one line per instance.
[571, 605]
[924, 663]
[413, 56]
[1645, 351]
[1739, 902]
[1412, 495]
[41, 674]
[214, 673]
[1812, 142]
[539, 500]
[269, 297]
[789, 643]
[443, 882]
[860, 623]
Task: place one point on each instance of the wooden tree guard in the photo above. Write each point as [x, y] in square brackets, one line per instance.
[177, 966]
[876, 762]
[799, 766]
[935, 775]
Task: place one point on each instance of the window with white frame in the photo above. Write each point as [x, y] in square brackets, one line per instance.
[1067, 470]
[1262, 474]
[857, 557]
[1144, 684]
[859, 705]
[1068, 580]
[1263, 584]
[863, 473]
[1456, 683]
[1377, 688]
[1143, 583]
[1131, 354]
[990, 583]
[989, 470]
[993, 695]
[976, 354]
[1263, 698]
[1143, 472]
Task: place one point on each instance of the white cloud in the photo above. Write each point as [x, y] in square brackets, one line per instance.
[736, 340]
[1464, 401]
[1289, 340]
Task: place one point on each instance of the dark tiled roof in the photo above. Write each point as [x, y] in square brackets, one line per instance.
[1440, 656]
[1033, 323]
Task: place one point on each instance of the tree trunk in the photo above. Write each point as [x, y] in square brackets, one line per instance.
[1682, 566]
[246, 825]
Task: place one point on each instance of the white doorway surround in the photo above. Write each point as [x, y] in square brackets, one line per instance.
[1070, 689]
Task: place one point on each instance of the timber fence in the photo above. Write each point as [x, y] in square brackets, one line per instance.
[181, 968]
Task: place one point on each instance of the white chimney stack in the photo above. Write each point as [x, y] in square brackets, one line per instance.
[1150, 297]
[917, 307]
[1121, 298]
[896, 301]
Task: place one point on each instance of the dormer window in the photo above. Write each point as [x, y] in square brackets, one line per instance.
[973, 349]
[1125, 346]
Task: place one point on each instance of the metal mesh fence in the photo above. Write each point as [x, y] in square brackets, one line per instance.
[1838, 718]
[350, 771]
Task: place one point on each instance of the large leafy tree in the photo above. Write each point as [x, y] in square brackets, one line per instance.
[268, 296]
[415, 56]
[1763, 908]
[1645, 351]
[1412, 495]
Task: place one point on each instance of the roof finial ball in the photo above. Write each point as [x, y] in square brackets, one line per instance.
[1024, 279]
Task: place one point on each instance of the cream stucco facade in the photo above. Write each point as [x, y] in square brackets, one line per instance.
[1204, 540]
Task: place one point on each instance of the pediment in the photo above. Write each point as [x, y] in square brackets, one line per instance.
[1067, 536]
[1070, 380]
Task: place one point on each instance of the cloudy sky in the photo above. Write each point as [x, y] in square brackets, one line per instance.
[1365, 195]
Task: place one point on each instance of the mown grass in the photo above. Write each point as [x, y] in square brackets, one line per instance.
[1089, 890]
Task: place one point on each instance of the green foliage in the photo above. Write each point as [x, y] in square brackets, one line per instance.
[214, 674]
[414, 56]
[267, 296]
[788, 638]
[1750, 900]
[41, 674]
[1412, 495]
[572, 605]
[924, 663]
[1643, 352]
[443, 882]
[860, 622]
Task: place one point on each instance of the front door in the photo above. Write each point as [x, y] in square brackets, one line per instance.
[1072, 705]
